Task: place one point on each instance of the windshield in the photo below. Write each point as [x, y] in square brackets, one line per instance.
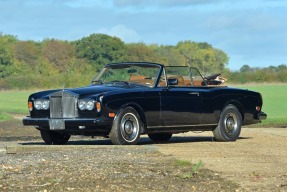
[128, 74]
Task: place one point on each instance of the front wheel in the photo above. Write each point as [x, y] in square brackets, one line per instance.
[54, 138]
[127, 127]
[229, 126]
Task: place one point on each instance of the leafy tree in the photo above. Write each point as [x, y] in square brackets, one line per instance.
[27, 52]
[139, 52]
[100, 49]
[6, 54]
[169, 55]
[220, 59]
[203, 56]
[245, 69]
[188, 49]
[50, 63]
[58, 53]
[282, 67]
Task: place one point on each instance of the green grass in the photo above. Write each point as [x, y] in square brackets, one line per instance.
[180, 162]
[193, 169]
[13, 102]
[5, 116]
[274, 102]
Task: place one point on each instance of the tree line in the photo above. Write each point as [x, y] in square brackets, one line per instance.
[247, 74]
[51, 62]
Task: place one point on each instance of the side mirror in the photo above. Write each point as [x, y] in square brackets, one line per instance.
[172, 81]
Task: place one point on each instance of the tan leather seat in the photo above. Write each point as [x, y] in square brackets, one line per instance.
[137, 77]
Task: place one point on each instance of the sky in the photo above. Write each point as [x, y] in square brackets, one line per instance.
[251, 32]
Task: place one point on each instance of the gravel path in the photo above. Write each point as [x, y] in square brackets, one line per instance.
[255, 162]
[96, 165]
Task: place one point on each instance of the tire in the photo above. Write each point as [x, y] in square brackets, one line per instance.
[229, 126]
[127, 127]
[54, 138]
[160, 136]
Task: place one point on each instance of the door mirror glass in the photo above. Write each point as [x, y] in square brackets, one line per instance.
[172, 81]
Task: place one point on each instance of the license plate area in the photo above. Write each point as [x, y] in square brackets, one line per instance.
[57, 124]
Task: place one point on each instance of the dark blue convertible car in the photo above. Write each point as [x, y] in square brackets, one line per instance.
[126, 100]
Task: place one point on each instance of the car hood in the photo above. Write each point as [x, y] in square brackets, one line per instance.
[83, 92]
[93, 90]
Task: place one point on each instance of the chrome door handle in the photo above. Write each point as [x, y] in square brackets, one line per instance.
[194, 93]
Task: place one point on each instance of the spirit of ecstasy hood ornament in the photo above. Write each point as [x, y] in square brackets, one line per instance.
[63, 85]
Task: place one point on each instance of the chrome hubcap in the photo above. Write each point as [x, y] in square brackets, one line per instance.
[230, 123]
[129, 127]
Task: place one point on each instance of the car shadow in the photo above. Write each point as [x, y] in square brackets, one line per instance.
[142, 141]
[73, 142]
[177, 139]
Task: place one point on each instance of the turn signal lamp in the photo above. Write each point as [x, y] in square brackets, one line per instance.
[112, 114]
[98, 106]
[30, 106]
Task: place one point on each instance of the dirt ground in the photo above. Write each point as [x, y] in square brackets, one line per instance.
[255, 162]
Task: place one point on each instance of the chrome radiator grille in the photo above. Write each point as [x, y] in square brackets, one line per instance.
[63, 104]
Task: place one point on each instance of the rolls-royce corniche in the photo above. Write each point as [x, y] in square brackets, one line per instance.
[127, 100]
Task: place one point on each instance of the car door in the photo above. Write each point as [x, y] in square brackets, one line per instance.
[180, 106]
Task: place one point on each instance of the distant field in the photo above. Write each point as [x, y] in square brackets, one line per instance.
[13, 102]
[274, 102]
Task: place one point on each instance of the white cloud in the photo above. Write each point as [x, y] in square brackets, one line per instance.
[126, 34]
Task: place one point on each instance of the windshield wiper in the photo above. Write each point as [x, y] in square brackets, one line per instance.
[97, 81]
[120, 82]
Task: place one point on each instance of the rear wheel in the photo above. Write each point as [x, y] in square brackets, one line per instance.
[54, 138]
[160, 136]
[229, 126]
[127, 127]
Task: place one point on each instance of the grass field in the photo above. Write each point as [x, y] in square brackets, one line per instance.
[274, 102]
[13, 102]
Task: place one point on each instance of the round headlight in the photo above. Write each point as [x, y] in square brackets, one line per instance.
[38, 104]
[45, 105]
[82, 105]
[90, 105]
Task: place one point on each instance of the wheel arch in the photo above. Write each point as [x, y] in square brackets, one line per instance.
[238, 105]
[139, 110]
